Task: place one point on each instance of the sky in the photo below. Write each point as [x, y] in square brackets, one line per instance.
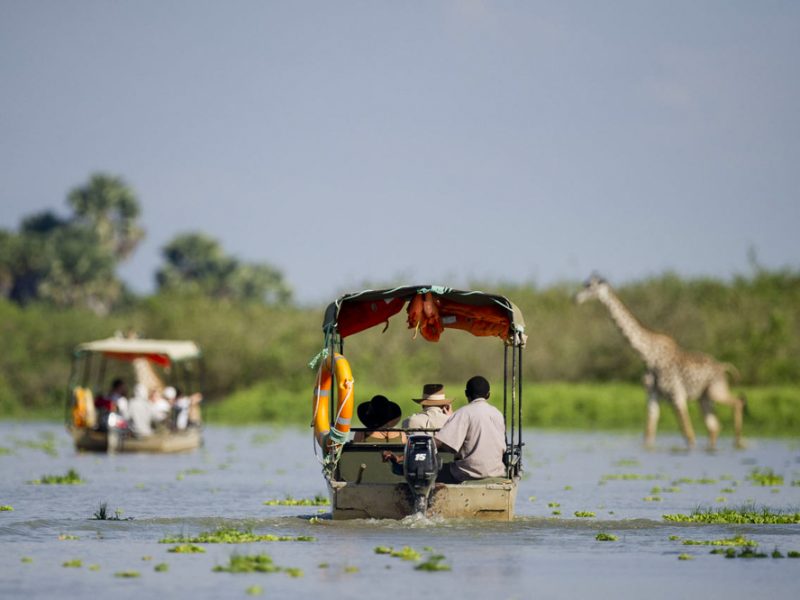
[365, 143]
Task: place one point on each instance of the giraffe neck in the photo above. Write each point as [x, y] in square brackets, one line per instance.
[638, 337]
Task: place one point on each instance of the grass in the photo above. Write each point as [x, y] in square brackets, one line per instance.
[745, 514]
[765, 477]
[70, 478]
[318, 500]
[234, 536]
[101, 514]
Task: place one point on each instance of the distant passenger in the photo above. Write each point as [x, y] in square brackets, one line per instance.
[160, 407]
[379, 413]
[119, 398]
[436, 408]
[187, 409]
[139, 411]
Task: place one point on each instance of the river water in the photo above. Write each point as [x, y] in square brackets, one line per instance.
[538, 555]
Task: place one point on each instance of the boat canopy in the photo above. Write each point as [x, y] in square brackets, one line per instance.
[430, 309]
[162, 352]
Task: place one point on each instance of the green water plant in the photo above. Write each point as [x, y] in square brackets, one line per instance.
[606, 537]
[161, 568]
[231, 535]
[685, 556]
[101, 514]
[793, 554]
[127, 574]
[254, 590]
[631, 477]
[26, 559]
[690, 481]
[63, 537]
[187, 549]
[94, 567]
[745, 514]
[739, 540]
[6, 508]
[351, 569]
[318, 500]
[584, 514]
[75, 563]
[652, 498]
[254, 563]
[72, 477]
[765, 477]
[432, 563]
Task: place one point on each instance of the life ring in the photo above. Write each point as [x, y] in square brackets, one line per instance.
[344, 405]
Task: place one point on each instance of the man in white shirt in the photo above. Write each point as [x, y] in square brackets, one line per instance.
[477, 434]
[436, 408]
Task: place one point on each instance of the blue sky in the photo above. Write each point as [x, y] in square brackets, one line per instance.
[353, 142]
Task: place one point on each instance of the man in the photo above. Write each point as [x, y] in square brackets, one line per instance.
[436, 408]
[477, 434]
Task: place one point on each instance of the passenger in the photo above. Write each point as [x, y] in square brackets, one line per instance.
[477, 434]
[187, 409]
[379, 413]
[160, 407]
[118, 396]
[139, 411]
[436, 408]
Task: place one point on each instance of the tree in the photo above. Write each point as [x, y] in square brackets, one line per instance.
[197, 264]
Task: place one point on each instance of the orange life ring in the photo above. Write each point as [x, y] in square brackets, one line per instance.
[344, 405]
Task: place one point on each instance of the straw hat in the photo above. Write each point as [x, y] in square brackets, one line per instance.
[433, 395]
[378, 412]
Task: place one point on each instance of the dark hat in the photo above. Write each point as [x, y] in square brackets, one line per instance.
[378, 412]
[433, 395]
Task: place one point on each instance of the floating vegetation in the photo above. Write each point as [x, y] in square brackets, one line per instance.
[606, 537]
[235, 536]
[75, 563]
[26, 559]
[553, 504]
[94, 567]
[147, 557]
[664, 490]
[161, 568]
[4, 451]
[127, 574]
[70, 478]
[67, 537]
[101, 514]
[567, 488]
[351, 569]
[185, 472]
[556, 513]
[796, 482]
[433, 563]
[318, 500]
[255, 563]
[674, 538]
[627, 462]
[6, 508]
[765, 477]
[685, 557]
[630, 477]
[46, 444]
[584, 514]
[721, 499]
[727, 490]
[323, 565]
[254, 590]
[744, 553]
[531, 498]
[746, 514]
[187, 549]
[776, 554]
[652, 498]
[690, 481]
[739, 540]
[405, 553]
[793, 554]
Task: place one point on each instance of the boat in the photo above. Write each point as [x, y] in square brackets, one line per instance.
[169, 368]
[360, 484]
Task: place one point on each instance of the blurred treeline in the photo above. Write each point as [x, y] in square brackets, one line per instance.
[752, 321]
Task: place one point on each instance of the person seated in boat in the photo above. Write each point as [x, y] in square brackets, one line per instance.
[476, 433]
[379, 413]
[187, 410]
[160, 407]
[140, 412]
[436, 408]
[118, 398]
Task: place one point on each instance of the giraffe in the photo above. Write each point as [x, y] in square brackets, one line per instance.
[673, 373]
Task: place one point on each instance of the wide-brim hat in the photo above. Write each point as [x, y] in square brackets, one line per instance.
[378, 412]
[433, 395]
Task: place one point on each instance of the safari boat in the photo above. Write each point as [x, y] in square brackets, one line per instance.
[93, 419]
[359, 482]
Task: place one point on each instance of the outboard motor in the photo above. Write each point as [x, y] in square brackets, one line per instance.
[421, 466]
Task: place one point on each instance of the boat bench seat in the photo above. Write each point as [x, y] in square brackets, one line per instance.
[356, 454]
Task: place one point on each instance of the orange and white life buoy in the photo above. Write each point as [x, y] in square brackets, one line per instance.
[344, 405]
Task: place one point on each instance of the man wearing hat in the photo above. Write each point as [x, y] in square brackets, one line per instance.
[379, 413]
[436, 408]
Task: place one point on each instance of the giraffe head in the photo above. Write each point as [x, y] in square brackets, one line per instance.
[593, 288]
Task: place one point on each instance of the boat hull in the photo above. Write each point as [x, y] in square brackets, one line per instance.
[89, 440]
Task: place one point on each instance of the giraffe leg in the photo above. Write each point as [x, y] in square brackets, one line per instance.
[682, 412]
[653, 413]
[711, 421]
[720, 393]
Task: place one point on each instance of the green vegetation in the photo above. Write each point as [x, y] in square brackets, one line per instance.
[256, 352]
[765, 477]
[187, 549]
[433, 563]
[75, 563]
[257, 563]
[161, 568]
[67, 537]
[254, 590]
[70, 478]
[127, 574]
[700, 481]
[606, 537]
[630, 477]
[739, 540]
[234, 536]
[584, 514]
[685, 557]
[101, 514]
[746, 514]
[318, 500]
[6, 508]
